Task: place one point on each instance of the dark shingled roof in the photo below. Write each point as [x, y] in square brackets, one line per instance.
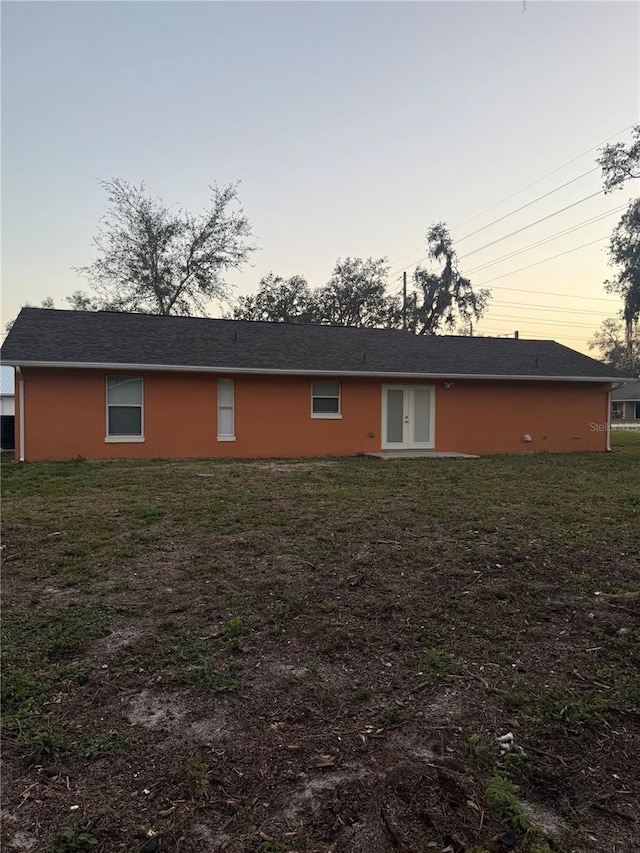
[94, 338]
[630, 392]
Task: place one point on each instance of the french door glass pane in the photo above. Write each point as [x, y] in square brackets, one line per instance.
[421, 416]
[395, 415]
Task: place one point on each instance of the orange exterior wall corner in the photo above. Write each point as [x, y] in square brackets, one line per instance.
[65, 416]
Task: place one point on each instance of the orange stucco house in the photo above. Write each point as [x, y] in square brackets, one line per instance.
[112, 385]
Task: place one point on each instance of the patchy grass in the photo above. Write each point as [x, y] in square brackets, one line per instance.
[503, 800]
[70, 840]
[249, 655]
[363, 694]
[565, 707]
[479, 752]
[189, 659]
[435, 665]
[41, 652]
[625, 440]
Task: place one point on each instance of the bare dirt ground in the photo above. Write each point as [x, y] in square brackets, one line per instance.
[321, 656]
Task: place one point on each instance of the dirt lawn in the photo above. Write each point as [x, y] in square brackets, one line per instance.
[321, 655]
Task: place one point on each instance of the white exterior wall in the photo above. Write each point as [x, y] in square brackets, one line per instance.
[7, 405]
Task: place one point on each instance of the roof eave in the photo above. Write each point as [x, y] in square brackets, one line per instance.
[180, 368]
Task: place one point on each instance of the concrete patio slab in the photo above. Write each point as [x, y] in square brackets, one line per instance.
[421, 454]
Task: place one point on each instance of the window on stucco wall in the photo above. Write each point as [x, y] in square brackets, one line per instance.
[226, 413]
[124, 408]
[325, 400]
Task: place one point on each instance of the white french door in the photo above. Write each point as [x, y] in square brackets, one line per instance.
[408, 417]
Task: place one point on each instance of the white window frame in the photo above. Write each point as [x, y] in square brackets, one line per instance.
[124, 439]
[219, 408]
[332, 416]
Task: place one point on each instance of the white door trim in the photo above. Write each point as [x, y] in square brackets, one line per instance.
[408, 412]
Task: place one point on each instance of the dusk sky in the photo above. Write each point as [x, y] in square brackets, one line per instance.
[352, 127]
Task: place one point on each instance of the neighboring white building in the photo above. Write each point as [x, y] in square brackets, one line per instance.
[625, 401]
[7, 408]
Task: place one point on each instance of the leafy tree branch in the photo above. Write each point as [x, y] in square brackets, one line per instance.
[151, 258]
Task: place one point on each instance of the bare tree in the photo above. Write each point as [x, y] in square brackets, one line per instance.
[162, 261]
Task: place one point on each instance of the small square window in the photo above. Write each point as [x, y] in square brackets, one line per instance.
[325, 400]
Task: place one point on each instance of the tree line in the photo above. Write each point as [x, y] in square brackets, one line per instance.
[158, 259]
[154, 259]
[357, 295]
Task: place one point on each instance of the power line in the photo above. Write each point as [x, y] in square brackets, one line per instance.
[543, 261]
[541, 307]
[609, 300]
[528, 186]
[538, 180]
[551, 293]
[531, 224]
[532, 307]
[539, 322]
[549, 239]
[528, 204]
[412, 252]
[493, 333]
[520, 230]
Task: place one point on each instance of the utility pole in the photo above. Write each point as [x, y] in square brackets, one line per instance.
[404, 301]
